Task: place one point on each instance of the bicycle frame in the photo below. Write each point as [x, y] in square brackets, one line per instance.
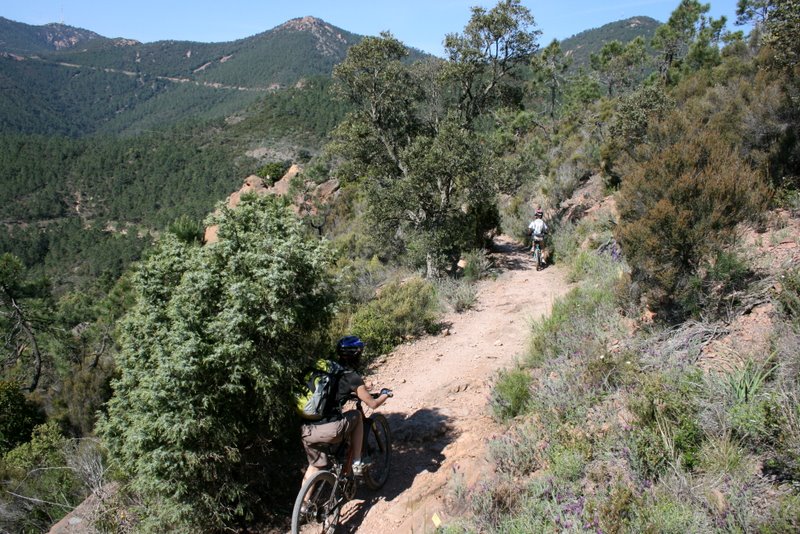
[537, 254]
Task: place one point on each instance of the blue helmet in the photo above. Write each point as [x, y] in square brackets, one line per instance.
[349, 349]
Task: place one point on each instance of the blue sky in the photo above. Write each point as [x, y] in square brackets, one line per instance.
[418, 23]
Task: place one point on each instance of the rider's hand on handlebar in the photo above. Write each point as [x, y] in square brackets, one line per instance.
[387, 392]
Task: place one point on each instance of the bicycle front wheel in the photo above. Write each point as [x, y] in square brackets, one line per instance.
[317, 507]
[377, 447]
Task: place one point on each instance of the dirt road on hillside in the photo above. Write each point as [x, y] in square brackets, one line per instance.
[440, 416]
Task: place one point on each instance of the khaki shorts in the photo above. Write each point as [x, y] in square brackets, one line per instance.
[326, 433]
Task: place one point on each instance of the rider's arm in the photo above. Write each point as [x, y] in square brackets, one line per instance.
[366, 397]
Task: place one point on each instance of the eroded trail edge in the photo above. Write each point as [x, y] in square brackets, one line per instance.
[440, 414]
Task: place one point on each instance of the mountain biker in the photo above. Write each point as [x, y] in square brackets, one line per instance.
[537, 229]
[338, 426]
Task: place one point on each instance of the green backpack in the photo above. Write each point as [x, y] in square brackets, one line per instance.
[317, 397]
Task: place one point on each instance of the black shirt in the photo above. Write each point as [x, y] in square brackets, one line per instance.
[348, 383]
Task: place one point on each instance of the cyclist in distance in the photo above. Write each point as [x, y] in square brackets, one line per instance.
[538, 228]
[339, 425]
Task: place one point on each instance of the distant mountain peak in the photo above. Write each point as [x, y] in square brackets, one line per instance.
[635, 22]
[329, 38]
[60, 36]
[303, 24]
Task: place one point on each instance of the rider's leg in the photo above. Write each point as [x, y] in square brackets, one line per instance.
[325, 433]
[357, 438]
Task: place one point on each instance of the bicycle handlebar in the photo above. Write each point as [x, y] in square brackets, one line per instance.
[354, 397]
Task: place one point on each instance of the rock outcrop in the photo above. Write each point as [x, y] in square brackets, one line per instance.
[323, 192]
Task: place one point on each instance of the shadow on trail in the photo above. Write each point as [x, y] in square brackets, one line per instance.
[511, 256]
[417, 444]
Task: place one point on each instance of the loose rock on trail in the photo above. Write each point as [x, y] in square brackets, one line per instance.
[440, 415]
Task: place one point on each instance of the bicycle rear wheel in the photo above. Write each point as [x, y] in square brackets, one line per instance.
[377, 447]
[317, 507]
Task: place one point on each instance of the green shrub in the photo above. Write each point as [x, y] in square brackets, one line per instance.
[478, 265]
[187, 229]
[784, 516]
[511, 393]
[575, 324]
[459, 294]
[360, 279]
[401, 310]
[789, 295]
[679, 208]
[564, 242]
[567, 463]
[583, 265]
[273, 170]
[666, 514]
[668, 430]
[710, 294]
[45, 487]
[201, 418]
[519, 451]
[616, 508]
[18, 416]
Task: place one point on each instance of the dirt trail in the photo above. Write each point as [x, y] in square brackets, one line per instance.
[440, 417]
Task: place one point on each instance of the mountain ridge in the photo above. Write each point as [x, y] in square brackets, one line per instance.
[20, 38]
[102, 85]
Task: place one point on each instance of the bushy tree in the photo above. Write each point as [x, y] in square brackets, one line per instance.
[489, 51]
[411, 140]
[679, 209]
[675, 37]
[550, 74]
[755, 11]
[782, 27]
[274, 170]
[208, 357]
[620, 65]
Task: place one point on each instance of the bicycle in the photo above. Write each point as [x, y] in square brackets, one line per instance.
[322, 496]
[537, 254]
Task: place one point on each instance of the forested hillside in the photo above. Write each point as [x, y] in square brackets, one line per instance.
[639, 406]
[582, 45]
[18, 38]
[58, 191]
[116, 86]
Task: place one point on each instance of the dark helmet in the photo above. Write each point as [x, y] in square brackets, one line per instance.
[349, 350]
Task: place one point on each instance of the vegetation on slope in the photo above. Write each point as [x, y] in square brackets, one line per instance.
[620, 425]
[613, 425]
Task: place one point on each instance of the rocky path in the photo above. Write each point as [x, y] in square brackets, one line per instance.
[440, 415]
